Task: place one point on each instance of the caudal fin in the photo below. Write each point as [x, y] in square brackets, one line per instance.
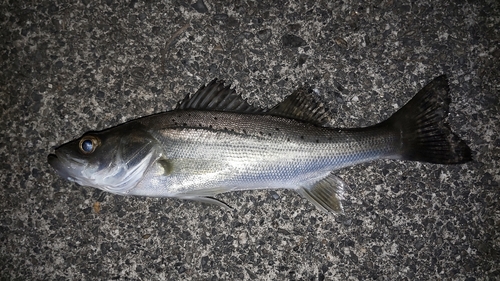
[425, 136]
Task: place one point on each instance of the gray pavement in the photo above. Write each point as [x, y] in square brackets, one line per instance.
[67, 67]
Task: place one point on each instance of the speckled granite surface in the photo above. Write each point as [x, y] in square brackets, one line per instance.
[67, 67]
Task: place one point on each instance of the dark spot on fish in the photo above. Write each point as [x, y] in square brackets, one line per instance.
[261, 133]
[225, 128]
[301, 137]
[184, 124]
[173, 120]
[199, 124]
[277, 129]
[244, 131]
[269, 134]
[317, 141]
[288, 140]
[215, 118]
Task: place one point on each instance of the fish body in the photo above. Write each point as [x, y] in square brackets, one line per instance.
[215, 142]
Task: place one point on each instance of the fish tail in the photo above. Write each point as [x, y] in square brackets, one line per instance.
[424, 134]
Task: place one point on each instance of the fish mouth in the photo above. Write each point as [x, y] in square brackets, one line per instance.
[53, 161]
[52, 158]
[58, 165]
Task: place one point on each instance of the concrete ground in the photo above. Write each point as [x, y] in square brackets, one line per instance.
[67, 67]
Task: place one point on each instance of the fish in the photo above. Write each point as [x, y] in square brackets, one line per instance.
[215, 141]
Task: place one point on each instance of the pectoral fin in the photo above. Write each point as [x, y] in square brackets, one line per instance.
[326, 194]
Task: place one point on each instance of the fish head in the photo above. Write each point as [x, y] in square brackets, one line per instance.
[113, 160]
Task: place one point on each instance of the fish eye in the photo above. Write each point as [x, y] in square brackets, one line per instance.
[88, 144]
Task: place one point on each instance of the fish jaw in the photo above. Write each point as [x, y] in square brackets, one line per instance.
[116, 178]
[59, 167]
[70, 168]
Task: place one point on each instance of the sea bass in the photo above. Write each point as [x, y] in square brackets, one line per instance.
[215, 142]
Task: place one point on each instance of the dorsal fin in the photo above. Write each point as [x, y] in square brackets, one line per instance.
[217, 97]
[303, 104]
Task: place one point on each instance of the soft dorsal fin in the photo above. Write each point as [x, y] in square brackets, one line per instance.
[217, 97]
[303, 104]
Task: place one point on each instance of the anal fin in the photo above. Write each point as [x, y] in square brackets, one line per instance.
[326, 194]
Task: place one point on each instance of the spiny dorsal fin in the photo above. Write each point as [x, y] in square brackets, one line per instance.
[303, 104]
[217, 97]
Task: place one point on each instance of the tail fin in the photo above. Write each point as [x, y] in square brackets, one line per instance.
[425, 136]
